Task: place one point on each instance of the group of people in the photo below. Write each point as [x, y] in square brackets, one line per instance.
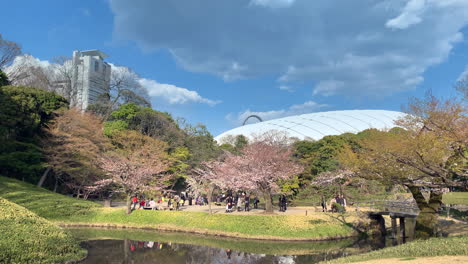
[240, 201]
[334, 202]
[167, 201]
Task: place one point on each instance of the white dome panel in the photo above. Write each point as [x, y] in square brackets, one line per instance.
[318, 125]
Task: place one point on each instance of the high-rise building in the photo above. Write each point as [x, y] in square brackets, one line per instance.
[90, 78]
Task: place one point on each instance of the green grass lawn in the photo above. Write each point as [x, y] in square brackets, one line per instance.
[68, 211]
[455, 198]
[28, 238]
[44, 203]
[452, 246]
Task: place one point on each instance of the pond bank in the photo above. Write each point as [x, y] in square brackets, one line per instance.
[433, 247]
[410, 260]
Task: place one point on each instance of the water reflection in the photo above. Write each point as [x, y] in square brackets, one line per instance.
[145, 246]
[136, 252]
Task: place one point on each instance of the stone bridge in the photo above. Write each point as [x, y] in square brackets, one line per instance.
[395, 209]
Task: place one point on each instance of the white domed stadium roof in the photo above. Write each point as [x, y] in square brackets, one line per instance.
[315, 126]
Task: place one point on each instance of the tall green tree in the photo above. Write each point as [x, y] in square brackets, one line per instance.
[4, 79]
[427, 154]
[201, 144]
[24, 112]
[147, 121]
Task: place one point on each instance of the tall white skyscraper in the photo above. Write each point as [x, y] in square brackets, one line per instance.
[90, 77]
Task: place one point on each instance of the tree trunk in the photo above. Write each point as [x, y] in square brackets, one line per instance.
[44, 177]
[268, 204]
[129, 204]
[56, 184]
[427, 220]
[108, 202]
[209, 206]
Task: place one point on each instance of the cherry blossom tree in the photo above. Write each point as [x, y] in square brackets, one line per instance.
[205, 179]
[259, 167]
[72, 143]
[429, 152]
[137, 164]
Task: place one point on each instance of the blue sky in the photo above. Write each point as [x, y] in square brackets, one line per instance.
[217, 61]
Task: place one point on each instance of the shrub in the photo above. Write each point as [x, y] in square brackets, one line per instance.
[28, 238]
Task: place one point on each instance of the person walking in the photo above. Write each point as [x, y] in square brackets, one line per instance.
[285, 203]
[256, 201]
[280, 203]
[324, 204]
[176, 202]
[134, 202]
[342, 200]
[169, 202]
[247, 203]
[182, 198]
[338, 200]
[239, 204]
[229, 204]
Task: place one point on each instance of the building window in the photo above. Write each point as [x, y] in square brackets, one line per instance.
[96, 66]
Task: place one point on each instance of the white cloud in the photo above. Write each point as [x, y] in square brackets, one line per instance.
[27, 60]
[366, 47]
[328, 87]
[174, 94]
[286, 88]
[27, 70]
[167, 92]
[307, 107]
[464, 75]
[411, 15]
[415, 11]
[273, 3]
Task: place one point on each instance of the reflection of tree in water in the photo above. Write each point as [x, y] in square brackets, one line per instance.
[139, 252]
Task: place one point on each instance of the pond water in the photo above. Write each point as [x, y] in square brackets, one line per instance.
[143, 246]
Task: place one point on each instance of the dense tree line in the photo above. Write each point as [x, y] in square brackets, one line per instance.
[42, 141]
[24, 113]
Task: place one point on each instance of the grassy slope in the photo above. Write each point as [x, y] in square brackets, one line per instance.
[451, 246]
[28, 238]
[66, 210]
[456, 198]
[44, 203]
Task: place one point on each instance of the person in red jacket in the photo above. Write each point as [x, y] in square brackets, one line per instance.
[134, 202]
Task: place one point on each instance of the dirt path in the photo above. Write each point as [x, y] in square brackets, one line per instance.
[300, 210]
[426, 260]
[222, 210]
